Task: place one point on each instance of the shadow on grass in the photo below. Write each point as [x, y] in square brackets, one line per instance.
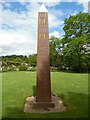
[76, 107]
[34, 90]
[67, 71]
[77, 102]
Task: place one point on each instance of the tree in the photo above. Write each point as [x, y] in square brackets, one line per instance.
[75, 41]
[32, 60]
[56, 56]
[53, 51]
[23, 68]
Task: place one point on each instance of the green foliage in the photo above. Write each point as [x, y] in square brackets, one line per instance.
[54, 42]
[4, 69]
[53, 69]
[32, 68]
[23, 68]
[70, 52]
[32, 60]
[14, 63]
[76, 26]
[75, 42]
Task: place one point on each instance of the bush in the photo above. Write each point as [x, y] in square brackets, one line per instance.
[22, 68]
[33, 69]
[4, 69]
[11, 68]
[53, 69]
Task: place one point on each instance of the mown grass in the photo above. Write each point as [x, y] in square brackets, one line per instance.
[71, 87]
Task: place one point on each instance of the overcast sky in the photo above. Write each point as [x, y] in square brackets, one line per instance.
[18, 23]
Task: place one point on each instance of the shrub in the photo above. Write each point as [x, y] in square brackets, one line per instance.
[33, 69]
[53, 69]
[4, 69]
[22, 68]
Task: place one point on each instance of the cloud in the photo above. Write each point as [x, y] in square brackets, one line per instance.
[16, 48]
[54, 22]
[54, 18]
[13, 42]
[50, 4]
[58, 13]
[84, 3]
[68, 13]
[7, 4]
[55, 34]
[18, 30]
[1, 12]
[42, 1]
[23, 37]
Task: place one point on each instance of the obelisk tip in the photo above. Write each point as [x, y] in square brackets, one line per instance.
[42, 8]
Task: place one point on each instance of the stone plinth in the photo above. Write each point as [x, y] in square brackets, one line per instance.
[58, 106]
[39, 105]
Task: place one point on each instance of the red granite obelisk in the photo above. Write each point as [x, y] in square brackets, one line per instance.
[43, 97]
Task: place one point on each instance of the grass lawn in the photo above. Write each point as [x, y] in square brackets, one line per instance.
[71, 87]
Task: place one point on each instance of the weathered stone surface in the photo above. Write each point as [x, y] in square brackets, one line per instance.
[43, 86]
[58, 106]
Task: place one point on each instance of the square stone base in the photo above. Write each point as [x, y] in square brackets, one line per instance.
[44, 105]
[30, 106]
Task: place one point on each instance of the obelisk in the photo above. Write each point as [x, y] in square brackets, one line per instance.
[43, 97]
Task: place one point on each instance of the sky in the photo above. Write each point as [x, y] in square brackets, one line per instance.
[18, 22]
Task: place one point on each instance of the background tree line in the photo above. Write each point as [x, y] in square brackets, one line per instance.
[71, 53]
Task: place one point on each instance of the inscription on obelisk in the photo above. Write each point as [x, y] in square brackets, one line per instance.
[43, 84]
